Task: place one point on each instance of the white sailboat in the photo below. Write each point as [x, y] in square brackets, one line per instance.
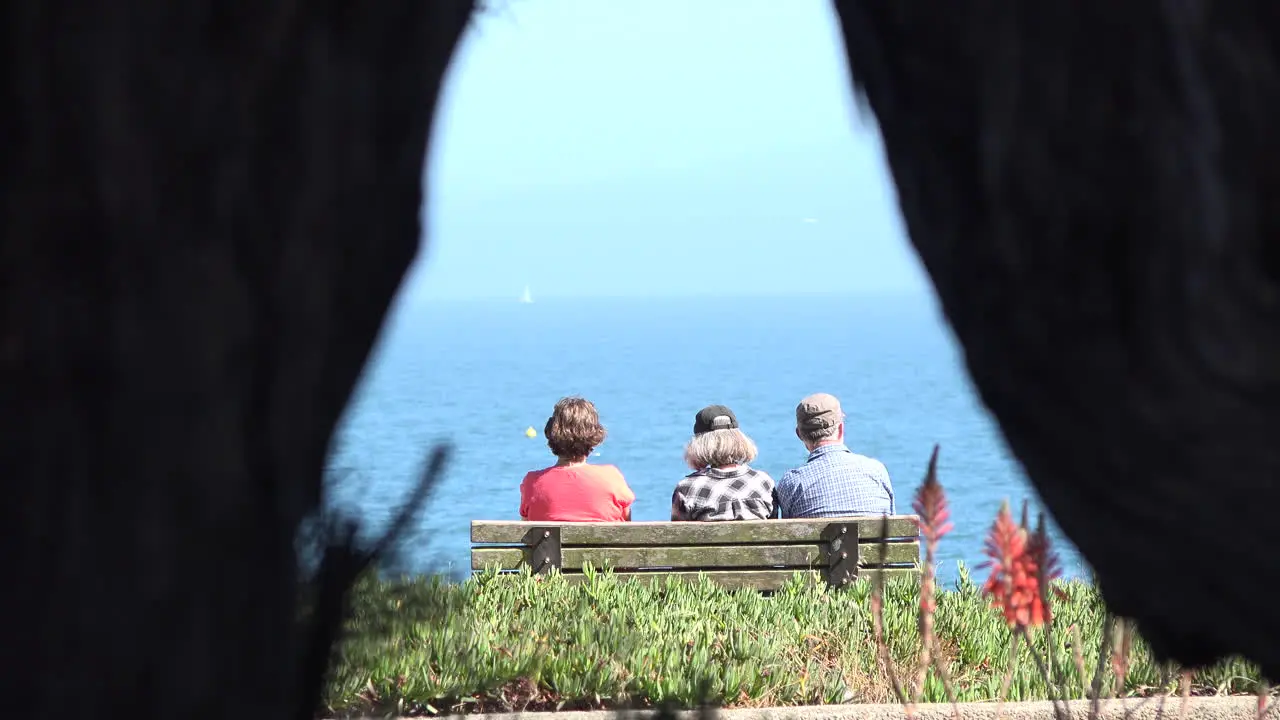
[526, 298]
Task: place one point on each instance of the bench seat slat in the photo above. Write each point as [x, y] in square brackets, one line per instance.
[698, 557]
[744, 579]
[690, 533]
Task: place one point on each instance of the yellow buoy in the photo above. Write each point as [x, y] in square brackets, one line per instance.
[531, 432]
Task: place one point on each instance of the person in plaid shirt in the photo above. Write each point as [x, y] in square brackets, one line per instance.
[722, 485]
[834, 481]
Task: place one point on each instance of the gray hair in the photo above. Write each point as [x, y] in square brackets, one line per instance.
[719, 447]
[813, 437]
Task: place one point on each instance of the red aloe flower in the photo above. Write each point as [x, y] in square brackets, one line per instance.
[932, 512]
[930, 505]
[1022, 566]
[1005, 545]
[1046, 562]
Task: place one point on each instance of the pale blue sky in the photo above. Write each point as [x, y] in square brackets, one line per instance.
[659, 148]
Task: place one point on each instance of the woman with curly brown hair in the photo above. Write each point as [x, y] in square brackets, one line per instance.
[571, 490]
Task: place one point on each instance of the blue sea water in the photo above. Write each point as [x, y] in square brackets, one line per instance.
[478, 373]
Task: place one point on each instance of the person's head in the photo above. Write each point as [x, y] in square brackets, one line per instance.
[819, 421]
[717, 441]
[574, 429]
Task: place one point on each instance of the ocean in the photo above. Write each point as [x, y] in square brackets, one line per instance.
[478, 373]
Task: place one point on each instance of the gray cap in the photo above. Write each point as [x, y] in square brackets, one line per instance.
[818, 412]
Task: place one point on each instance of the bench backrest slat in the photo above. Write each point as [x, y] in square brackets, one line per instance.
[691, 533]
[772, 579]
[697, 556]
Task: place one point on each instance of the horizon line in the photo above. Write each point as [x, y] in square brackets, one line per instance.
[514, 298]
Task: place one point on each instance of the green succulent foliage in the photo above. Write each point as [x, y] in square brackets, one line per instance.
[524, 642]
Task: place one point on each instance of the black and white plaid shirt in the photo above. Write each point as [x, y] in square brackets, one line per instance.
[742, 493]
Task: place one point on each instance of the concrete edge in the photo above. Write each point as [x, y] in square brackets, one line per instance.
[1198, 708]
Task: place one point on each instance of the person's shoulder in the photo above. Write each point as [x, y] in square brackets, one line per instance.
[691, 478]
[532, 477]
[608, 472]
[791, 475]
[874, 465]
[612, 478]
[763, 480]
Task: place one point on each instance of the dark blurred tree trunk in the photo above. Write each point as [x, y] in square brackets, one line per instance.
[1094, 189]
[206, 209]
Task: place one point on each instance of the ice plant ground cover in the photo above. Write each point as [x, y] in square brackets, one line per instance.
[494, 643]
[524, 642]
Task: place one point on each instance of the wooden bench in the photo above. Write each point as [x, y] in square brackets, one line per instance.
[758, 554]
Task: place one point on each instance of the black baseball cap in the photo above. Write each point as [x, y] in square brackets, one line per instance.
[714, 417]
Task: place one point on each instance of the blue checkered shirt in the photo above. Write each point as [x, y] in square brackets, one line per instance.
[835, 482]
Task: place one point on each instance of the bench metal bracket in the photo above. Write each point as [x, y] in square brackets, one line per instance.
[544, 548]
[841, 540]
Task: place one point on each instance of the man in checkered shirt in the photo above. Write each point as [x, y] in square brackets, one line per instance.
[722, 485]
[834, 481]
